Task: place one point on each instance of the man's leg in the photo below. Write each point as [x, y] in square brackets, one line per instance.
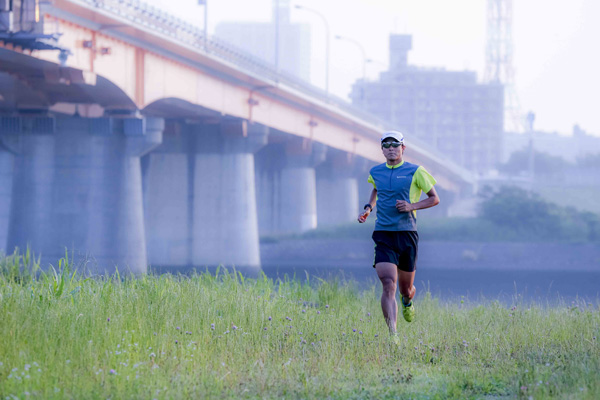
[406, 282]
[388, 274]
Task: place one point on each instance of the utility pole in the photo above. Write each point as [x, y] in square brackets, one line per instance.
[531, 158]
[204, 3]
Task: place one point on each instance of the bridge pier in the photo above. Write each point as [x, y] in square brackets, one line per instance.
[6, 175]
[337, 189]
[77, 187]
[286, 186]
[168, 197]
[206, 216]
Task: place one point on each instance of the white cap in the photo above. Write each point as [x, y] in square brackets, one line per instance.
[394, 135]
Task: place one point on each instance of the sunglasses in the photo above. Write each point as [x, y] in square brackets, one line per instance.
[386, 145]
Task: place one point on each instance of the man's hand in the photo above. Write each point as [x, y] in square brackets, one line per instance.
[403, 206]
[363, 216]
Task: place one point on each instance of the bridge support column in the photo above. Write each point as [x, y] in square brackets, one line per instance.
[77, 187]
[337, 190]
[6, 178]
[287, 193]
[225, 227]
[200, 196]
[168, 197]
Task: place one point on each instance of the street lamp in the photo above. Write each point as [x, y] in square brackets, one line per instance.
[362, 51]
[204, 3]
[299, 7]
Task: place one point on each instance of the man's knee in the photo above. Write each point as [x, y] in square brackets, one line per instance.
[389, 284]
[406, 289]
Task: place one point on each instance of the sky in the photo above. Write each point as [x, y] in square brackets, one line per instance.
[555, 42]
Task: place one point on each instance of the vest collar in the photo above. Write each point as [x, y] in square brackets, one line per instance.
[394, 166]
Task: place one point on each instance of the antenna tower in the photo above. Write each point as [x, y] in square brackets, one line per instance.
[499, 60]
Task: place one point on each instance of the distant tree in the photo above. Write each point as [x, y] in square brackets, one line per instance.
[517, 209]
[525, 213]
[543, 163]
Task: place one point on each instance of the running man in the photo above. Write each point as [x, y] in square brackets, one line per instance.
[397, 187]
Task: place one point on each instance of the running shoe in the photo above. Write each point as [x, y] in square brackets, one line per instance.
[408, 311]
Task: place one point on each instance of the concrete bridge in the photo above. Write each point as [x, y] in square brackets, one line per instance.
[135, 140]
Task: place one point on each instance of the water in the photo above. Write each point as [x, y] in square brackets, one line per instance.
[547, 273]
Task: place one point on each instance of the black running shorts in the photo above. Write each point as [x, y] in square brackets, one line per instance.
[398, 248]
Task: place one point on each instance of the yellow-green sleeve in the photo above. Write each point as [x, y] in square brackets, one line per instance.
[371, 181]
[424, 180]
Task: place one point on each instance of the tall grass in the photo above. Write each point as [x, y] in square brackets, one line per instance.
[224, 336]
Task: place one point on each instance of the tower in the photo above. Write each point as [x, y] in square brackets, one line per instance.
[499, 60]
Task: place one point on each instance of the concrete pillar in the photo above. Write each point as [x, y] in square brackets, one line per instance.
[337, 190]
[287, 186]
[225, 229]
[168, 191]
[6, 175]
[362, 166]
[200, 196]
[77, 186]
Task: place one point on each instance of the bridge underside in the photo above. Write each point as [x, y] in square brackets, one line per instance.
[173, 184]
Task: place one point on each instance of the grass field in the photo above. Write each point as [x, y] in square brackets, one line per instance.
[223, 336]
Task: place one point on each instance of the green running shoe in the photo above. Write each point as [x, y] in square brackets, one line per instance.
[408, 311]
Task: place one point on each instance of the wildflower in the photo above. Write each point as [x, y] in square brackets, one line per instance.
[376, 335]
[112, 372]
[523, 388]
[212, 326]
[368, 314]
[265, 328]
[178, 328]
[300, 333]
[303, 311]
[318, 312]
[27, 366]
[360, 332]
[234, 327]
[270, 318]
[176, 342]
[108, 319]
[152, 355]
[353, 330]
[326, 305]
[343, 333]
[188, 333]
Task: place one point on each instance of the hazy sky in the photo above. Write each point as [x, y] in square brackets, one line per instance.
[555, 42]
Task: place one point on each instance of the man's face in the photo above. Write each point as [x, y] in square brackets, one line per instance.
[394, 151]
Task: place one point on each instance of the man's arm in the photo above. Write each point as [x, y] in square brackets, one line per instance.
[372, 201]
[431, 200]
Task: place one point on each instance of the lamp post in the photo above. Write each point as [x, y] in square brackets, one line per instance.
[204, 3]
[362, 51]
[299, 7]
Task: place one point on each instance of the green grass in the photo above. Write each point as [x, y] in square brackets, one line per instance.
[63, 336]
